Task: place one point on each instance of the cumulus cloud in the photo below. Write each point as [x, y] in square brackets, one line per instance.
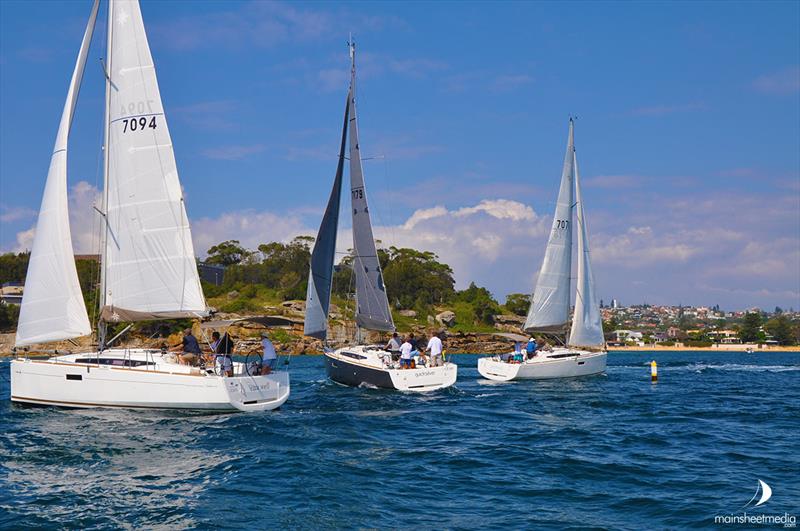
[83, 221]
[476, 241]
[250, 227]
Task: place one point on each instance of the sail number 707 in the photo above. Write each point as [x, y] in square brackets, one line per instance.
[132, 124]
[561, 224]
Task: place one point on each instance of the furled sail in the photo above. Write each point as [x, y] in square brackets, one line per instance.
[587, 323]
[52, 304]
[372, 305]
[549, 310]
[149, 262]
[320, 274]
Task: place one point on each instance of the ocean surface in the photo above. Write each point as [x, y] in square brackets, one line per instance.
[612, 451]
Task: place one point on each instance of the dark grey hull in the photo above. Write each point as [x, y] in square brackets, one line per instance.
[355, 374]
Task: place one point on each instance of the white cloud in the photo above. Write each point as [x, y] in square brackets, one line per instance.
[662, 110]
[786, 81]
[233, 152]
[16, 213]
[83, 221]
[250, 227]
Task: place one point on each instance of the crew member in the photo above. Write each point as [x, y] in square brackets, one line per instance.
[190, 348]
[530, 349]
[435, 347]
[405, 353]
[269, 358]
[393, 346]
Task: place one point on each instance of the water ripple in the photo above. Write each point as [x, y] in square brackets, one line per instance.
[613, 451]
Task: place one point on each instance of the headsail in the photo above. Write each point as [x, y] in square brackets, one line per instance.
[320, 274]
[549, 310]
[149, 261]
[372, 311]
[52, 305]
[587, 323]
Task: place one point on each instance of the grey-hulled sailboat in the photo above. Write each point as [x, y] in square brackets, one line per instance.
[584, 353]
[359, 364]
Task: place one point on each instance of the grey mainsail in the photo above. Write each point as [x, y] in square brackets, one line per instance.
[587, 323]
[549, 310]
[372, 305]
[320, 275]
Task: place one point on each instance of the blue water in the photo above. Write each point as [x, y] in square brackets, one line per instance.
[612, 451]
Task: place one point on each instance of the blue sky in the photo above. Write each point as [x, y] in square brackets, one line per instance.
[688, 131]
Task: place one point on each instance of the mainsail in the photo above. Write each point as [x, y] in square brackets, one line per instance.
[587, 323]
[320, 275]
[52, 305]
[549, 310]
[148, 256]
[372, 305]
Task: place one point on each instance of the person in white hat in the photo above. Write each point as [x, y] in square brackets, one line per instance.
[530, 349]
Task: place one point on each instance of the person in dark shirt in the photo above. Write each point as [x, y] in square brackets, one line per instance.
[190, 348]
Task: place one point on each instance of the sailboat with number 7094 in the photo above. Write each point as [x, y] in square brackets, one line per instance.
[148, 269]
[584, 351]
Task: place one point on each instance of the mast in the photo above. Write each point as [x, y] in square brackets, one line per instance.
[351, 48]
[101, 323]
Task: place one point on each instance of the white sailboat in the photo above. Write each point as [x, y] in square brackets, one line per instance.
[584, 353]
[148, 268]
[357, 365]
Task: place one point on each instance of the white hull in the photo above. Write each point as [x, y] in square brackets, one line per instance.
[372, 366]
[141, 379]
[560, 363]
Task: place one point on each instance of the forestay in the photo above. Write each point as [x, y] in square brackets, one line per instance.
[587, 323]
[52, 304]
[372, 311]
[149, 259]
[549, 310]
[320, 274]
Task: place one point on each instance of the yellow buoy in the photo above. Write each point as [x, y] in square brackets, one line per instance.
[653, 371]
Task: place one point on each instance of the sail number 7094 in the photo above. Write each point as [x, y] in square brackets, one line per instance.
[132, 124]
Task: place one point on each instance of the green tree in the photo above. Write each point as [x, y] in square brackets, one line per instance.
[13, 267]
[518, 303]
[750, 328]
[9, 314]
[277, 265]
[415, 279]
[227, 253]
[482, 302]
[780, 328]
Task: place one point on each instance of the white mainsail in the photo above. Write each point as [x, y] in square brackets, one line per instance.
[148, 259]
[52, 304]
[587, 323]
[372, 305]
[549, 310]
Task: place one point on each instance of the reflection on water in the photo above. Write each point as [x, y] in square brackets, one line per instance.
[611, 451]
